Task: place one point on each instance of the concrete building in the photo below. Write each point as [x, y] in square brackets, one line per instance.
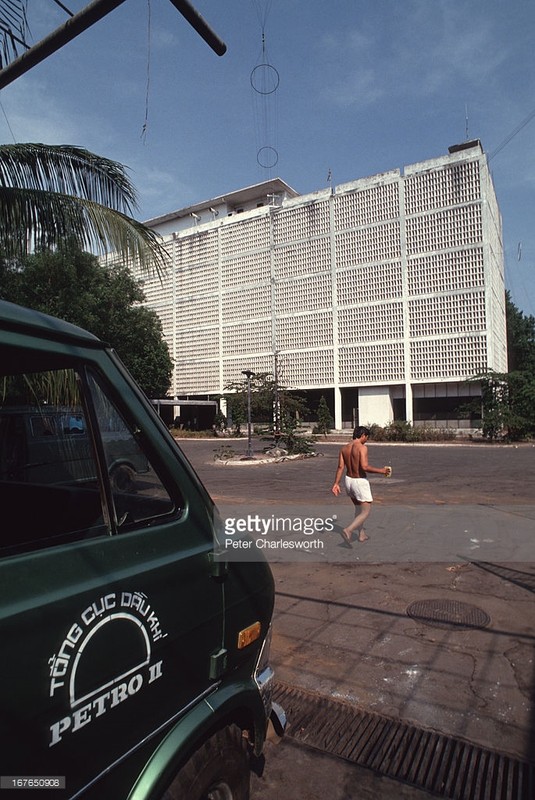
[384, 294]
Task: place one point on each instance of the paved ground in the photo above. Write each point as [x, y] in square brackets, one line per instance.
[454, 524]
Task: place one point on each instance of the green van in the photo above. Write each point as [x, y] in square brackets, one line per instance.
[135, 660]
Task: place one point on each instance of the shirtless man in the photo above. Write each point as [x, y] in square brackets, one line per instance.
[353, 459]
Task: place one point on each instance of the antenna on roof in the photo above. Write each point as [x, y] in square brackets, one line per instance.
[467, 137]
[275, 200]
[330, 180]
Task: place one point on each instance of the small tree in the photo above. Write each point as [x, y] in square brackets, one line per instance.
[325, 421]
[261, 394]
[264, 394]
[508, 404]
[520, 338]
[220, 421]
[293, 442]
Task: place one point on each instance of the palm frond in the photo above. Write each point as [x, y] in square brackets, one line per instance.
[69, 170]
[33, 219]
[13, 27]
[49, 193]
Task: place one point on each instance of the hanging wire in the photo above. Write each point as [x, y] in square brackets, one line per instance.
[514, 132]
[147, 89]
[64, 8]
[265, 81]
[515, 280]
[263, 9]
[7, 121]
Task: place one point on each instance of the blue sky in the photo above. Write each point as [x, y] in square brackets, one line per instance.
[365, 86]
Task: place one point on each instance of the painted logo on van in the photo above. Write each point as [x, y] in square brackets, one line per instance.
[105, 658]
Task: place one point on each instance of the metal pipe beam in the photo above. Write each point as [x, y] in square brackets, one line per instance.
[199, 24]
[83, 20]
[61, 36]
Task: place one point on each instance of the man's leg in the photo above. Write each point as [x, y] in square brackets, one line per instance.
[362, 511]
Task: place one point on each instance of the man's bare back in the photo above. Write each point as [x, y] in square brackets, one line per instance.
[354, 455]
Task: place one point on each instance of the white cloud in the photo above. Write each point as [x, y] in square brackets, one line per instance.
[360, 88]
[422, 49]
[348, 73]
[450, 45]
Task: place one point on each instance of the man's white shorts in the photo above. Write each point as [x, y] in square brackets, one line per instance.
[359, 489]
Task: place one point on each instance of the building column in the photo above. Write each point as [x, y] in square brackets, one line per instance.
[337, 408]
[405, 300]
[334, 305]
[409, 413]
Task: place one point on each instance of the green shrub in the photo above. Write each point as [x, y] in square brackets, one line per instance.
[183, 433]
[224, 452]
[402, 431]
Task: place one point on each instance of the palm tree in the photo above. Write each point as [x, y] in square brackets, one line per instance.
[49, 193]
[13, 27]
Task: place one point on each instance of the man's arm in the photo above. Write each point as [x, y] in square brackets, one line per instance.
[366, 467]
[339, 472]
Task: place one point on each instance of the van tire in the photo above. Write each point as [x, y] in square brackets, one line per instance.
[218, 770]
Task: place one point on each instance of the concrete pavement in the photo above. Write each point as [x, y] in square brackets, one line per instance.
[348, 635]
[458, 527]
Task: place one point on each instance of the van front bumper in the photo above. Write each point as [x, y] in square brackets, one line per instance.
[278, 718]
[264, 678]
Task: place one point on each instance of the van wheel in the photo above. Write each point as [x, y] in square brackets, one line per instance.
[218, 770]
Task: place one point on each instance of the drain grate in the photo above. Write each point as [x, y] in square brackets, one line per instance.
[441, 764]
[450, 614]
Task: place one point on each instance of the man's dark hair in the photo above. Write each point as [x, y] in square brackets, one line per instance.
[359, 431]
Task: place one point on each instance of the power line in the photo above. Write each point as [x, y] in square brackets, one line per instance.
[7, 121]
[512, 134]
[64, 8]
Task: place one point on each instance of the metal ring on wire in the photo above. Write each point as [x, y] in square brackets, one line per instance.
[268, 155]
[260, 80]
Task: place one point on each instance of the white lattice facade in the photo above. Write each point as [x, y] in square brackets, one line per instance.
[385, 289]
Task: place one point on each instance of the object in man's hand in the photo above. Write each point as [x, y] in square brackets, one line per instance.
[388, 473]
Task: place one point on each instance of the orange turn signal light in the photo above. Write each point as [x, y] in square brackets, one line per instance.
[248, 635]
